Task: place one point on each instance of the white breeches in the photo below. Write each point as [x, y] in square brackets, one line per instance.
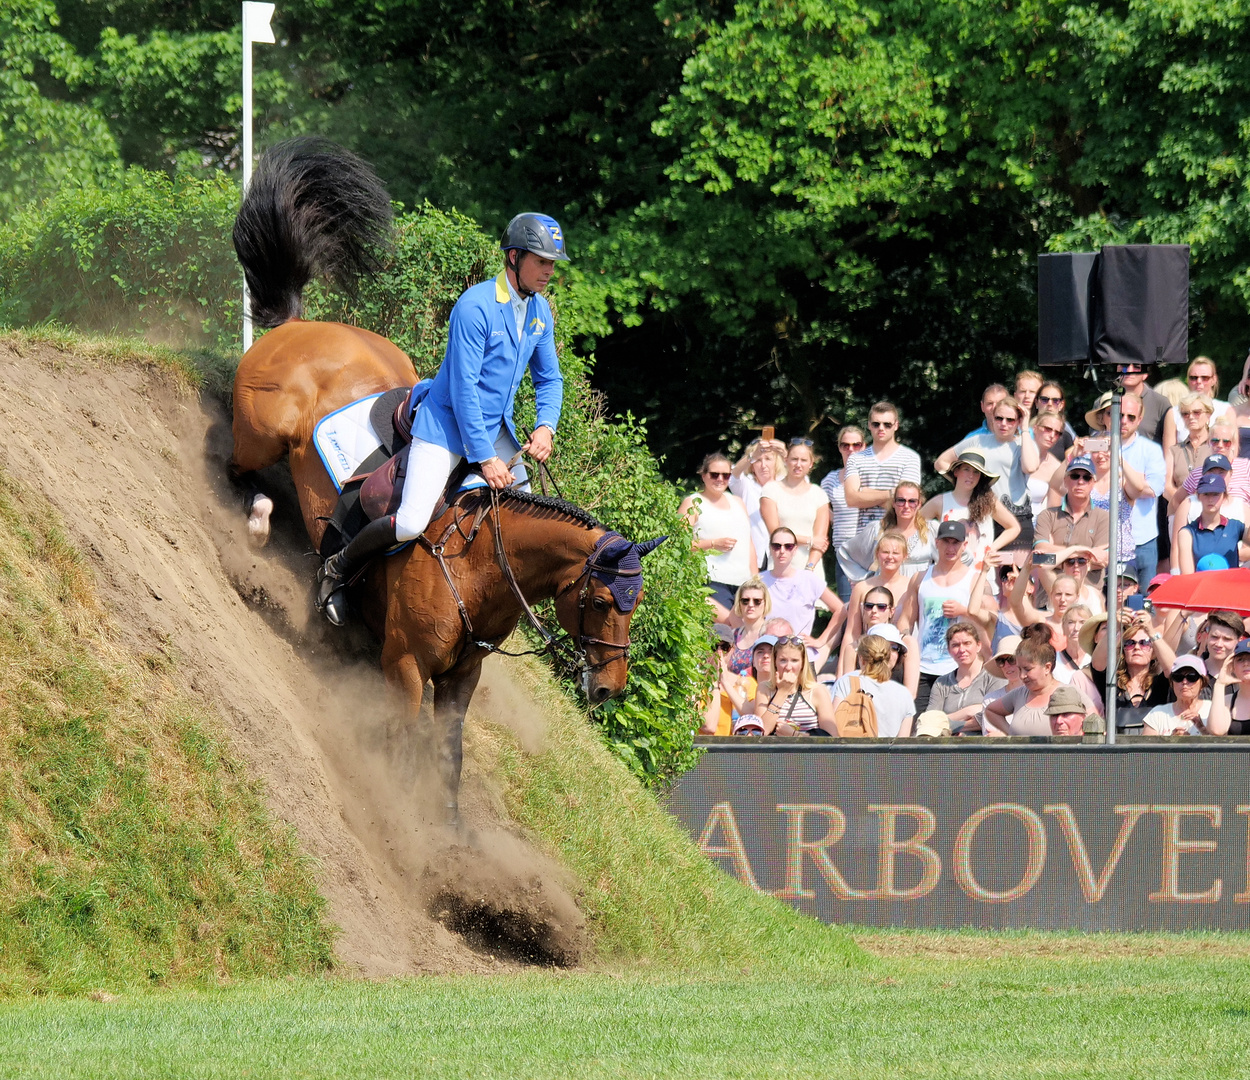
[429, 468]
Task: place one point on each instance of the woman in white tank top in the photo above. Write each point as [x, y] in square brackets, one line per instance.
[975, 504]
[722, 531]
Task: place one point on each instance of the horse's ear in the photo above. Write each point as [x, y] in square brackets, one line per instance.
[648, 546]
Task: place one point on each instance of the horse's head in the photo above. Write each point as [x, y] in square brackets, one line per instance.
[597, 609]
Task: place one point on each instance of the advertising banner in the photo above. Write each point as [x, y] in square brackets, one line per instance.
[1137, 836]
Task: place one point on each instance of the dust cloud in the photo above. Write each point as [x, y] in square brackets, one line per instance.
[137, 469]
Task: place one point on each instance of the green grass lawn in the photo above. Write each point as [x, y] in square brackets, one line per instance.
[930, 1005]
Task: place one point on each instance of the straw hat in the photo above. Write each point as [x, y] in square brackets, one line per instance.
[1006, 647]
[1086, 635]
[1091, 417]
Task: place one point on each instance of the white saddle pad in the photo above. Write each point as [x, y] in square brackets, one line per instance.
[344, 438]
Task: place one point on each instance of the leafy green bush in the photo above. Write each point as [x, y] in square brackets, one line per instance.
[153, 255]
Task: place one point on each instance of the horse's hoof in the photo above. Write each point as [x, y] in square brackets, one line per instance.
[258, 521]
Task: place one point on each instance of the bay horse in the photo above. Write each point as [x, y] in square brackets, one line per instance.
[314, 208]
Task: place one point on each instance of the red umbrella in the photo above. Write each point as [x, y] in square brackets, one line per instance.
[1207, 590]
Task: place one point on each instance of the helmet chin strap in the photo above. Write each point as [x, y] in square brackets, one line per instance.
[515, 267]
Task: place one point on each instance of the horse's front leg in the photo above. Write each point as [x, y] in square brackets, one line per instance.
[256, 504]
[452, 692]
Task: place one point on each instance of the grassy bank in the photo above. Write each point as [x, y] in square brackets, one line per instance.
[1003, 1014]
[133, 849]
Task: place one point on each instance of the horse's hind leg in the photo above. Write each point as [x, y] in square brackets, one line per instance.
[253, 450]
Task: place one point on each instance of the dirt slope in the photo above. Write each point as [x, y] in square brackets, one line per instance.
[136, 469]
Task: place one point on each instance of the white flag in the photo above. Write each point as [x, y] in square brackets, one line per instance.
[256, 23]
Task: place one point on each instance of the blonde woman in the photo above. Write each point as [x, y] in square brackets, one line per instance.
[752, 606]
[1202, 379]
[796, 704]
[877, 608]
[722, 532]
[763, 462]
[903, 517]
[1196, 412]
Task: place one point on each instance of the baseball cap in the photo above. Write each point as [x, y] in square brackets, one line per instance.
[765, 639]
[1128, 570]
[932, 724]
[723, 633]
[1082, 462]
[1211, 484]
[1216, 461]
[1066, 699]
[1156, 581]
[888, 631]
[1190, 662]
[1243, 648]
[956, 530]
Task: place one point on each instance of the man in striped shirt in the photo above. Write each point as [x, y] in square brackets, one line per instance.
[873, 474]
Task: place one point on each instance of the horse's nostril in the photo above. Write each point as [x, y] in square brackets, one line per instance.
[601, 694]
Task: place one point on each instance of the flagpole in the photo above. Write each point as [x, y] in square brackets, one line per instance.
[256, 27]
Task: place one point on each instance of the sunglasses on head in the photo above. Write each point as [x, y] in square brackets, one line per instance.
[781, 547]
[1187, 676]
[798, 440]
[793, 639]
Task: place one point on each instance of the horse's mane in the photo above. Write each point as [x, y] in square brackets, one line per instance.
[545, 506]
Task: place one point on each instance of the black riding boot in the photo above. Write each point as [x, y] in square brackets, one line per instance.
[342, 566]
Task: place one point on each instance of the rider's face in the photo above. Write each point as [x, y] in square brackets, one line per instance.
[533, 271]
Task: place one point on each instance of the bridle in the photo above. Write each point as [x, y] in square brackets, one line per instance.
[573, 652]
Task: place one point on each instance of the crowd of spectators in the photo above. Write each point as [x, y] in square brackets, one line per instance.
[980, 610]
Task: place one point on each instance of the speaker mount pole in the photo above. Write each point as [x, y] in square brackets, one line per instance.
[1114, 558]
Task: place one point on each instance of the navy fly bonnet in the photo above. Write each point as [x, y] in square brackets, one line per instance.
[617, 563]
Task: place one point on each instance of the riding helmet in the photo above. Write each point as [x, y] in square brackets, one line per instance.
[536, 233]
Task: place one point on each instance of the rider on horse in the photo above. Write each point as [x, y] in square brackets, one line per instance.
[497, 329]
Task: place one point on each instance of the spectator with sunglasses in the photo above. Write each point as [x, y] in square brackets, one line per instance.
[1074, 562]
[845, 518]
[877, 609]
[796, 704]
[1144, 656]
[752, 607]
[1048, 432]
[1051, 399]
[1154, 406]
[1188, 714]
[873, 474]
[800, 506]
[794, 591]
[1223, 441]
[722, 532]
[1202, 379]
[1196, 411]
[1076, 521]
[857, 556]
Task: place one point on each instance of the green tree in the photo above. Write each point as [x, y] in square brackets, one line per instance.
[46, 141]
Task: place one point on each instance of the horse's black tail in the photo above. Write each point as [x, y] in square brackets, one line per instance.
[311, 208]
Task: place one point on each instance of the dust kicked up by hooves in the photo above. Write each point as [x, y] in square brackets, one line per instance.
[137, 469]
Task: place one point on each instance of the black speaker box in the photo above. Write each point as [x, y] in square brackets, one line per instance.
[1063, 289]
[1140, 304]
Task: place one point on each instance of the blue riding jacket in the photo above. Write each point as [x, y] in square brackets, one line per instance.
[475, 389]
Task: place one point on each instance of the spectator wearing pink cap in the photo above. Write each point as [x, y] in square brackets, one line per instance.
[1187, 715]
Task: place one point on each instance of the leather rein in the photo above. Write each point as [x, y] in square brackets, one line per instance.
[560, 647]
